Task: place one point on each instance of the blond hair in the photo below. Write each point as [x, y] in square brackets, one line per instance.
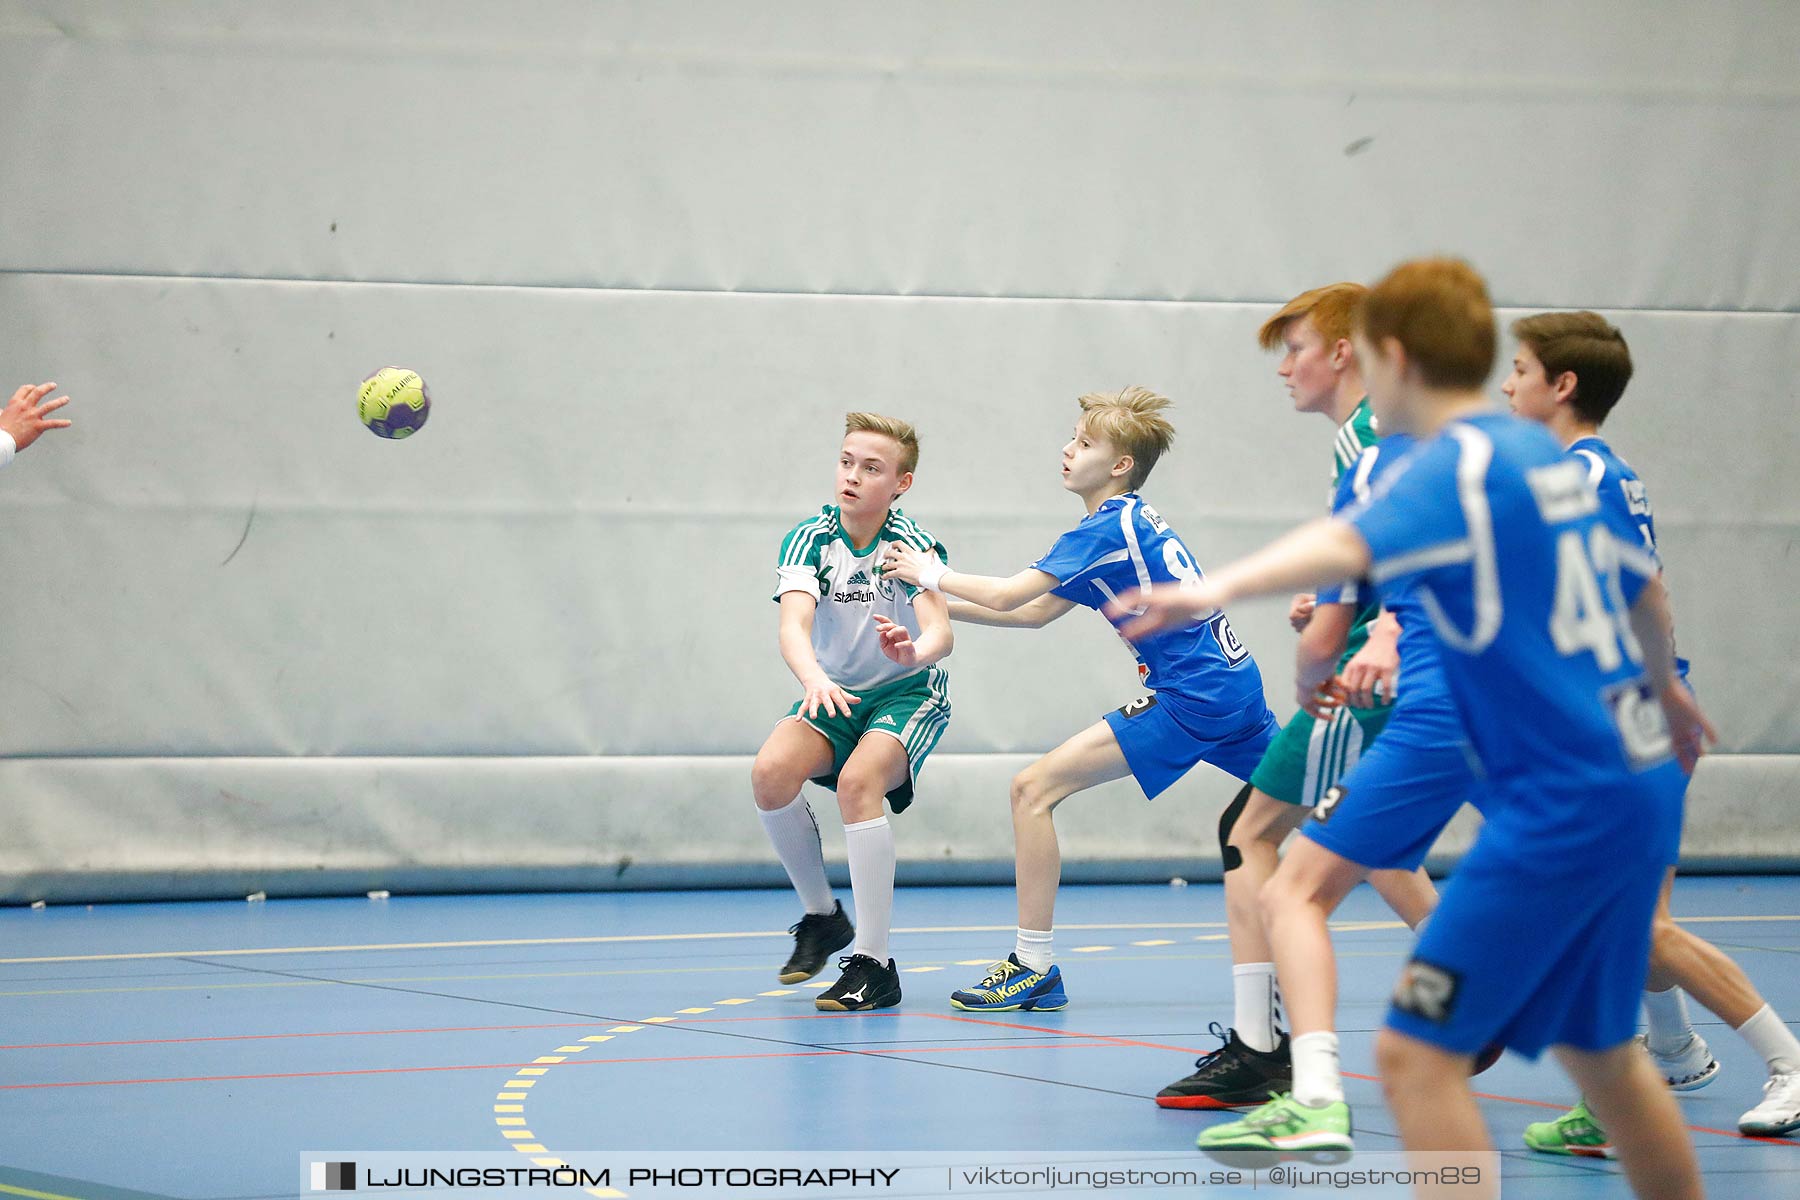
[893, 427]
[1332, 309]
[1439, 312]
[1131, 420]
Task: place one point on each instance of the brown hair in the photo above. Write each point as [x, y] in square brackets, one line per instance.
[894, 427]
[1587, 344]
[1331, 308]
[1131, 419]
[1439, 312]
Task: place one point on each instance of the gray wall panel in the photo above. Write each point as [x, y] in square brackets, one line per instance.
[1595, 153]
[574, 556]
[170, 828]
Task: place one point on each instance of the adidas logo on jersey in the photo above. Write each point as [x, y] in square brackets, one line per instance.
[860, 578]
[883, 719]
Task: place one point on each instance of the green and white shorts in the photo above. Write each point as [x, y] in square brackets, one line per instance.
[914, 711]
[1309, 756]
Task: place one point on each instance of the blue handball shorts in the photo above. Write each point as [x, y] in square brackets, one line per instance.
[1527, 960]
[1390, 807]
[1164, 735]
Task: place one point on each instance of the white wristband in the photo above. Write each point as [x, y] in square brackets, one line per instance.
[7, 447]
[931, 575]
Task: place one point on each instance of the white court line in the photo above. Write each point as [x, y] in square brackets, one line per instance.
[693, 937]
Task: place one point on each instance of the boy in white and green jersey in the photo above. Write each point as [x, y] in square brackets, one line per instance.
[864, 649]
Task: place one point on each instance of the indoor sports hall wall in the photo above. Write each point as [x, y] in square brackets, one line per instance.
[646, 256]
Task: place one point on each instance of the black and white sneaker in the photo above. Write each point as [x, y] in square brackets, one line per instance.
[864, 984]
[816, 938]
[1233, 1076]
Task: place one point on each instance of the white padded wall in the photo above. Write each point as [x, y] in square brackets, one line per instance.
[647, 255]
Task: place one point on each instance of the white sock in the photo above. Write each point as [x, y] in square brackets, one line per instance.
[794, 832]
[1669, 1025]
[1316, 1078]
[1035, 948]
[1772, 1039]
[871, 848]
[1253, 988]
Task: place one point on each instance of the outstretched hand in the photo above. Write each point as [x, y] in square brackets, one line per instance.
[27, 415]
[822, 693]
[896, 642]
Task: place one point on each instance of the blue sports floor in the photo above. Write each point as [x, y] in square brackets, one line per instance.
[199, 1050]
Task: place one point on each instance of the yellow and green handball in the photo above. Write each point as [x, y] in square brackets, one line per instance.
[393, 402]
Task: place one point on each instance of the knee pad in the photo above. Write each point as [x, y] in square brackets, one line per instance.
[1232, 857]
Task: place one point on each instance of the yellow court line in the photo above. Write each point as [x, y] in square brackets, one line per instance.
[10, 1190]
[667, 937]
[563, 941]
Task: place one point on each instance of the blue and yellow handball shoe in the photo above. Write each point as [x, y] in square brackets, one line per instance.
[1012, 985]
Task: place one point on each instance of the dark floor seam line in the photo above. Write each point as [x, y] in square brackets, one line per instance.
[692, 1029]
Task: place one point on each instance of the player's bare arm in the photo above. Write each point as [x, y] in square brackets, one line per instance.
[1034, 615]
[1376, 666]
[990, 591]
[797, 610]
[935, 638]
[1323, 551]
[1689, 729]
[1316, 686]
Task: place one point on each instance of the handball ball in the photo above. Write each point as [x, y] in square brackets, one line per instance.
[393, 402]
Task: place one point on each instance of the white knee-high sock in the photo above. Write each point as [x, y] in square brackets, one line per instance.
[871, 848]
[794, 832]
[1253, 989]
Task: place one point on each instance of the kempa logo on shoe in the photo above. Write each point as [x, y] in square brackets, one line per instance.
[1016, 986]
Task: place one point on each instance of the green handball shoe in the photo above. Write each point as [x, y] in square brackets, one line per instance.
[1575, 1132]
[1280, 1131]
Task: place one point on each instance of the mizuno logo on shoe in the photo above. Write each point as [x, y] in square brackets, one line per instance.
[857, 995]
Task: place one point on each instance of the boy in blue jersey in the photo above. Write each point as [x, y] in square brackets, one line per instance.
[1345, 647]
[1384, 814]
[1568, 374]
[1556, 654]
[1207, 704]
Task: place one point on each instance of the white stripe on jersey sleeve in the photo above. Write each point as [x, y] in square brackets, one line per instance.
[1635, 558]
[1596, 467]
[1103, 560]
[1440, 555]
[806, 535]
[1476, 453]
[1365, 466]
[1126, 513]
